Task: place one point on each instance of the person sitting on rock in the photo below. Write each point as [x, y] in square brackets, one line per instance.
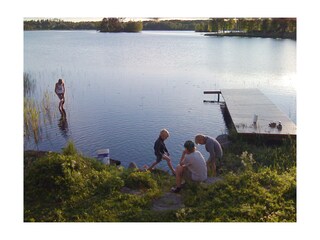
[192, 166]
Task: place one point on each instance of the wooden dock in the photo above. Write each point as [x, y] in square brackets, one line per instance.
[243, 104]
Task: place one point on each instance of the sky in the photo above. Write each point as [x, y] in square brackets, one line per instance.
[90, 19]
[71, 19]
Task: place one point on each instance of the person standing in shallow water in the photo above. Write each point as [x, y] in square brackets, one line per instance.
[161, 151]
[60, 91]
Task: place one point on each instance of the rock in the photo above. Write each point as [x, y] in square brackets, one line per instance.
[212, 180]
[133, 165]
[115, 162]
[169, 201]
[131, 191]
[224, 141]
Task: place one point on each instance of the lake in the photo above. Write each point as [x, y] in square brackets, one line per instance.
[123, 88]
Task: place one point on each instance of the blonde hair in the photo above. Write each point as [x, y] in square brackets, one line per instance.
[164, 132]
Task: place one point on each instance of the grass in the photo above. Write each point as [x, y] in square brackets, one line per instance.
[259, 185]
[35, 112]
[31, 119]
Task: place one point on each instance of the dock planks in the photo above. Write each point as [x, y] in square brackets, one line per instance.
[242, 104]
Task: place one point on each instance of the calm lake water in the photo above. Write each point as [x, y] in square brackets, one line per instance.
[123, 88]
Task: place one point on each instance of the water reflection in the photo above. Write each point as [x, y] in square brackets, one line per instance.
[28, 85]
[122, 87]
[63, 123]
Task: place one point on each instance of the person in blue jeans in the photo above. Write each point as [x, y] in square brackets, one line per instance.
[161, 151]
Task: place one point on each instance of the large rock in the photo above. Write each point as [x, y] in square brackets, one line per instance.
[212, 180]
[133, 165]
[169, 201]
[224, 141]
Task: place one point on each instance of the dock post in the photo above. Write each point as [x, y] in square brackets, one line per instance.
[218, 92]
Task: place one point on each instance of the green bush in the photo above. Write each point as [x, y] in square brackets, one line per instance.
[248, 196]
[259, 185]
[105, 182]
[73, 188]
[140, 180]
[280, 157]
[70, 149]
[61, 181]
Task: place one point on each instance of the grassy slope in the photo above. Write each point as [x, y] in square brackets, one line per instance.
[259, 185]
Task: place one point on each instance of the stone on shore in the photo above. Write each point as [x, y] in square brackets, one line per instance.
[168, 201]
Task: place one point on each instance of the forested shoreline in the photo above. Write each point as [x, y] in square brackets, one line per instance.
[249, 27]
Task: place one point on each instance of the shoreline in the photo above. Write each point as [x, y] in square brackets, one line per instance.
[292, 36]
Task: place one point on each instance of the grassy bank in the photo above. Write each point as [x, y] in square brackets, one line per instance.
[259, 185]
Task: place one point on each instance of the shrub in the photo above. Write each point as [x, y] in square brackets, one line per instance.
[70, 149]
[259, 185]
[63, 181]
[140, 180]
[250, 196]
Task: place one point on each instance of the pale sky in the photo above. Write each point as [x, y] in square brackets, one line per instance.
[72, 19]
[85, 19]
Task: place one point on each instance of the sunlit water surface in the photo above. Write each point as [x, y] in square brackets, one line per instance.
[123, 88]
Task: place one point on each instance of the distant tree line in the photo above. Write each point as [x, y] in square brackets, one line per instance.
[119, 25]
[176, 25]
[57, 24]
[214, 25]
[249, 25]
[113, 25]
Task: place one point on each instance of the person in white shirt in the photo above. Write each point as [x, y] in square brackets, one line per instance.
[60, 91]
[192, 166]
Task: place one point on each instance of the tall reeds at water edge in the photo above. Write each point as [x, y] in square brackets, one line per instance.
[46, 107]
[35, 110]
[31, 119]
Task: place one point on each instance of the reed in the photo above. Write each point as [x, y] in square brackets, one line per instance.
[38, 112]
[31, 119]
[46, 107]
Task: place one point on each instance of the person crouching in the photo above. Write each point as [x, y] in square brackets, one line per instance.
[192, 166]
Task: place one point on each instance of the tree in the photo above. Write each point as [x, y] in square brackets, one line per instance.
[230, 24]
[266, 25]
[217, 24]
[111, 25]
[133, 26]
[118, 25]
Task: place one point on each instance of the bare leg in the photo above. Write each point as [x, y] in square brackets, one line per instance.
[211, 165]
[165, 157]
[152, 165]
[62, 100]
[214, 168]
[179, 173]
